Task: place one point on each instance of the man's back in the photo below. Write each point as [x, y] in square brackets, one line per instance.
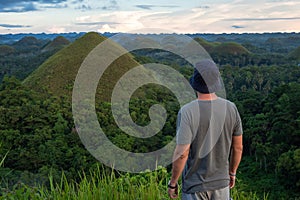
[208, 126]
[208, 130]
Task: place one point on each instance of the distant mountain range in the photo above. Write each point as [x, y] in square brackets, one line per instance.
[12, 38]
[273, 42]
[51, 61]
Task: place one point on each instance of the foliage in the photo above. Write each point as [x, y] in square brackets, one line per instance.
[2, 158]
[295, 54]
[113, 186]
[24, 56]
[38, 136]
[288, 168]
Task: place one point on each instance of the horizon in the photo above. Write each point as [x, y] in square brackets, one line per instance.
[181, 17]
[102, 33]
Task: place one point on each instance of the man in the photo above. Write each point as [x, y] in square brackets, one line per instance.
[209, 140]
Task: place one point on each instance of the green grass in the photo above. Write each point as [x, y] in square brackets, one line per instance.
[226, 48]
[230, 48]
[3, 158]
[99, 185]
[58, 73]
[61, 68]
[208, 46]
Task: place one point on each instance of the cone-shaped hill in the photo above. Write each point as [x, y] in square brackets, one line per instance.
[225, 49]
[58, 43]
[295, 54]
[28, 40]
[230, 48]
[208, 46]
[6, 50]
[57, 74]
[29, 44]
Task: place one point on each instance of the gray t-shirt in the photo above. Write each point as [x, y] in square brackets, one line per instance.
[208, 126]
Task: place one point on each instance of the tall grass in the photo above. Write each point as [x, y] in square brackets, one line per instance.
[103, 186]
[108, 187]
[2, 159]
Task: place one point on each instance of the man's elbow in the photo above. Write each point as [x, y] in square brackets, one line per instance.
[238, 149]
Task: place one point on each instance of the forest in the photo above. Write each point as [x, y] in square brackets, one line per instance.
[42, 156]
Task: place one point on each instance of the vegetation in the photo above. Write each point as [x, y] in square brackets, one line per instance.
[58, 43]
[295, 54]
[23, 57]
[99, 185]
[57, 74]
[42, 157]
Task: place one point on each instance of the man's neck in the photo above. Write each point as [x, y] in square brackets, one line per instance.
[207, 97]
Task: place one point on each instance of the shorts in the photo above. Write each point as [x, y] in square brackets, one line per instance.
[221, 194]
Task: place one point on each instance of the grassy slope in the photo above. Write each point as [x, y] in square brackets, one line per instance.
[57, 74]
[98, 185]
[230, 48]
[208, 46]
[60, 70]
[57, 43]
[226, 48]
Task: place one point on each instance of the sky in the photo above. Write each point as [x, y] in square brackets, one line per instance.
[159, 16]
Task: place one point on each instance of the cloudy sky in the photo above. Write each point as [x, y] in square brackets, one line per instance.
[180, 16]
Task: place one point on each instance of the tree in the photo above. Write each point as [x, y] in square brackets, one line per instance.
[288, 168]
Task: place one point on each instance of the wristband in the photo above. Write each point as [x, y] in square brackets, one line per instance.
[231, 174]
[172, 187]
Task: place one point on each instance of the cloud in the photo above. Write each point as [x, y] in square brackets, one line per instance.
[20, 7]
[27, 5]
[14, 26]
[114, 21]
[83, 7]
[55, 6]
[264, 19]
[204, 7]
[275, 1]
[236, 26]
[95, 23]
[146, 7]
[112, 5]
[56, 29]
[128, 15]
[149, 7]
[77, 1]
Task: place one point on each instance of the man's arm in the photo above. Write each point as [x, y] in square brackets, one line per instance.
[236, 156]
[179, 159]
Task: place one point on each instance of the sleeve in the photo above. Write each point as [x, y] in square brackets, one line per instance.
[238, 128]
[184, 133]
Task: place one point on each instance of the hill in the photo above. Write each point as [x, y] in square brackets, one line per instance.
[208, 46]
[6, 50]
[58, 73]
[230, 48]
[28, 40]
[29, 44]
[222, 48]
[58, 43]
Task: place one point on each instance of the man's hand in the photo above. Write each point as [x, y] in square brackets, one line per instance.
[179, 159]
[173, 193]
[232, 181]
[236, 155]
